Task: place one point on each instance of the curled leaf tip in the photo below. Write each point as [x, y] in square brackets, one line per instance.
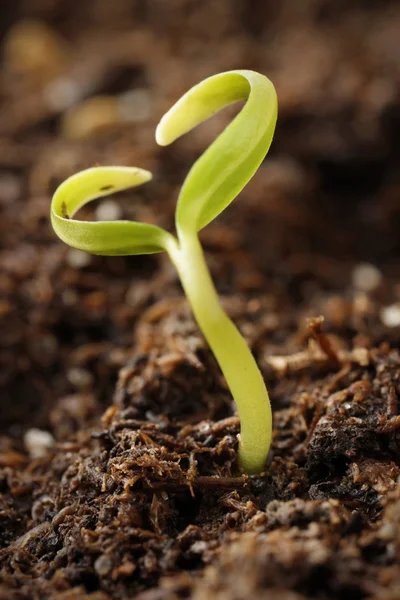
[110, 238]
[161, 134]
[93, 183]
[231, 161]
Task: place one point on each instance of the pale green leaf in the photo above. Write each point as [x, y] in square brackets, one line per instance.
[231, 161]
[111, 238]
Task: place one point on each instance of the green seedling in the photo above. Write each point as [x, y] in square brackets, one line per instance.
[213, 182]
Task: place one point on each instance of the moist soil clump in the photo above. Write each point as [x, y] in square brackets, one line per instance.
[118, 435]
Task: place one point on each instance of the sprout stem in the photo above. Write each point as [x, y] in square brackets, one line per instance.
[231, 351]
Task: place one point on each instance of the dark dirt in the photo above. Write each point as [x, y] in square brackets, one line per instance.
[136, 493]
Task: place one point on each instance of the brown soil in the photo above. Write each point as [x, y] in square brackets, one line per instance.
[139, 495]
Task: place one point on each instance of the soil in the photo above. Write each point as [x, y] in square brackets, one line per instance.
[118, 474]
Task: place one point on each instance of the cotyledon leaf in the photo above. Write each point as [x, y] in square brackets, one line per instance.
[110, 238]
[230, 162]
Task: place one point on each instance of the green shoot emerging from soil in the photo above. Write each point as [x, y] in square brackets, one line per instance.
[213, 182]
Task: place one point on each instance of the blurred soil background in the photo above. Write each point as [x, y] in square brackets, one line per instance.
[117, 433]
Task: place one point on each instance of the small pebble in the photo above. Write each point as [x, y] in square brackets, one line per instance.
[361, 356]
[135, 105]
[61, 93]
[390, 315]
[198, 547]
[366, 277]
[89, 117]
[204, 427]
[103, 565]
[78, 259]
[80, 378]
[38, 442]
[108, 211]
[388, 532]
[32, 47]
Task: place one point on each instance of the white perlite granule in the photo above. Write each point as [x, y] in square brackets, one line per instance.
[38, 442]
[366, 277]
[390, 315]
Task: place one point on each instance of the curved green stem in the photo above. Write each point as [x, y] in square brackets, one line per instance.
[231, 351]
